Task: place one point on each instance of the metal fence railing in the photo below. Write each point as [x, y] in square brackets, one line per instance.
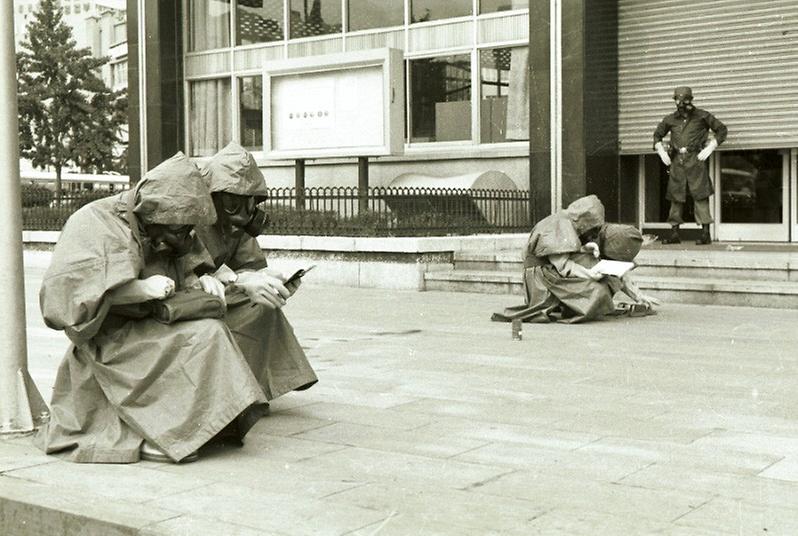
[347, 211]
[402, 211]
[41, 211]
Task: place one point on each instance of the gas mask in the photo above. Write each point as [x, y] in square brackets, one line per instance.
[170, 240]
[591, 235]
[242, 212]
[684, 104]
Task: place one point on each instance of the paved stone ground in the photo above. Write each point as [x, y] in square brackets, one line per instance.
[429, 419]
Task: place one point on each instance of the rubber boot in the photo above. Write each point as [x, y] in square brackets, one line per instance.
[705, 237]
[674, 237]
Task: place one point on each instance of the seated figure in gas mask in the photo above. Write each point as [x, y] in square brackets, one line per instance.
[618, 242]
[255, 292]
[131, 385]
[557, 287]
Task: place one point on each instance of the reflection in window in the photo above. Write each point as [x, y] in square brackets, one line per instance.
[504, 86]
[440, 98]
[492, 6]
[208, 24]
[424, 10]
[210, 120]
[314, 17]
[259, 21]
[751, 186]
[368, 14]
[251, 113]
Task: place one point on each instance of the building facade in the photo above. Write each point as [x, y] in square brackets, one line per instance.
[561, 95]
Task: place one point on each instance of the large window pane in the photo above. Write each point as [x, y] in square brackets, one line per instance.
[251, 113]
[424, 10]
[751, 186]
[208, 24]
[259, 21]
[504, 85]
[440, 98]
[368, 14]
[492, 6]
[210, 121]
[314, 17]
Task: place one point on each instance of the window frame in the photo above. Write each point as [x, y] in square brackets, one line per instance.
[472, 146]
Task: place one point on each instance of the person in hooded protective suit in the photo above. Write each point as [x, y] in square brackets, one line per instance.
[128, 378]
[618, 242]
[557, 288]
[255, 292]
[559, 280]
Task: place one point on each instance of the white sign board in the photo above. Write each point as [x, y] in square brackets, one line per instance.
[349, 104]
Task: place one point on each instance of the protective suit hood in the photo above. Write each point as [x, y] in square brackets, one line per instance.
[174, 193]
[586, 213]
[620, 242]
[234, 170]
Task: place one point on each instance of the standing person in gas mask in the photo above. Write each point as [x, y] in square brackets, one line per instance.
[689, 127]
[262, 331]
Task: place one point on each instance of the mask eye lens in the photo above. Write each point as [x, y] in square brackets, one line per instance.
[180, 231]
[235, 204]
[230, 204]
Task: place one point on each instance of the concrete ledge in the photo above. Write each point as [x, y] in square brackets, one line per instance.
[375, 262]
[31, 509]
[733, 286]
[40, 237]
[750, 260]
[485, 276]
[423, 244]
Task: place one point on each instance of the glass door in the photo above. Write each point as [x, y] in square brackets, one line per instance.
[752, 195]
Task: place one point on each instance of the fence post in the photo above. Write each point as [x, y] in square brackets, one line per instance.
[299, 183]
[21, 406]
[363, 183]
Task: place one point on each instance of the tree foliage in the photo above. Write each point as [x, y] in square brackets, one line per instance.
[67, 115]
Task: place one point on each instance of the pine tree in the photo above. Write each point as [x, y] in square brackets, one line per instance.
[67, 116]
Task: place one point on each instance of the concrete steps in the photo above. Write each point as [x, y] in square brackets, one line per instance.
[756, 278]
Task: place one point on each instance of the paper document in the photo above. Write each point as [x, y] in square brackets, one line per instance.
[618, 268]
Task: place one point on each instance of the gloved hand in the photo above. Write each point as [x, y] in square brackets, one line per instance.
[706, 151]
[213, 286]
[594, 275]
[663, 154]
[292, 286]
[225, 274]
[263, 289]
[158, 287]
[591, 247]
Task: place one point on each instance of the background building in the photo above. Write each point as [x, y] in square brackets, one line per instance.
[594, 76]
[100, 25]
[466, 94]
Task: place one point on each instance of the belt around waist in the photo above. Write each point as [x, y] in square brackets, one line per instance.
[685, 150]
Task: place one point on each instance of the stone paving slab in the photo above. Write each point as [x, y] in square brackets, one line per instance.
[733, 516]
[429, 419]
[431, 511]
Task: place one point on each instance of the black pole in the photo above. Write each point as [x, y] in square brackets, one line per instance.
[363, 183]
[299, 182]
[539, 74]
